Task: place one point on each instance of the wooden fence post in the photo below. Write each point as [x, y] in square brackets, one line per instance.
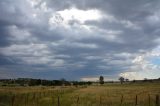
[58, 101]
[13, 99]
[77, 100]
[121, 99]
[136, 101]
[37, 101]
[149, 100]
[33, 98]
[157, 100]
[25, 100]
[100, 101]
[53, 100]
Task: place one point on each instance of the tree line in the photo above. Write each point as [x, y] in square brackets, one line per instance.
[123, 80]
[62, 82]
[37, 82]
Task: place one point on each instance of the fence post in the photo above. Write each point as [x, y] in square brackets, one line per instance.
[53, 100]
[100, 101]
[121, 99]
[58, 101]
[33, 98]
[157, 100]
[25, 100]
[149, 100]
[13, 99]
[37, 101]
[77, 100]
[136, 102]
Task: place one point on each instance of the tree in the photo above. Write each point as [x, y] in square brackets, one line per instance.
[145, 80]
[63, 81]
[127, 80]
[101, 80]
[121, 79]
[89, 83]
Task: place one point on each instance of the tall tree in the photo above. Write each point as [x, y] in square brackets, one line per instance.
[101, 80]
[121, 79]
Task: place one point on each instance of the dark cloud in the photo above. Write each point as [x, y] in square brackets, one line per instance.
[33, 38]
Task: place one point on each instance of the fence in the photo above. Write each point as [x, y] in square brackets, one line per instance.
[57, 98]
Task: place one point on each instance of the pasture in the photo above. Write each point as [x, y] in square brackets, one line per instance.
[134, 94]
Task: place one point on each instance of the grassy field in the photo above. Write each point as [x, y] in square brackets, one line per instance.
[140, 94]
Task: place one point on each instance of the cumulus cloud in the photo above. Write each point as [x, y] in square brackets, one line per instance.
[55, 39]
[144, 66]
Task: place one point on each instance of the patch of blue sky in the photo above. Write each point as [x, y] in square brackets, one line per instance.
[155, 60]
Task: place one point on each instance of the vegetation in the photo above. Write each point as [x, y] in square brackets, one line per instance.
[101, 80]
[37, 92]
[111, 94]
[121, 79]
[38, 82]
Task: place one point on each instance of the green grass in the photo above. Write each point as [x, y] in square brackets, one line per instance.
[106, 95]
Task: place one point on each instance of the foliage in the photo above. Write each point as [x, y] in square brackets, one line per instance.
[101, 80]
[113, 94]
[121, 80]
[37, 82]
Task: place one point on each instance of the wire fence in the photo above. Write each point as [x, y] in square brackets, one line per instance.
[62, 98]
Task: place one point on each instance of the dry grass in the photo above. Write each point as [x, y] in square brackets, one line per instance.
[106, 95]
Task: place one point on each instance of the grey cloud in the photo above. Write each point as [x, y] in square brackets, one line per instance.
[108, 47]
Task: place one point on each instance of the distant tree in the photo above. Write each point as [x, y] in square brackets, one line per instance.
[32, 82]
[75, 83]
[57, 82]
[67, 83]
[134, 81]
[126, 80]
[101, 80]
[145, 80]
[38, 82]
[89, 83]
[63, 81]
[121, 79]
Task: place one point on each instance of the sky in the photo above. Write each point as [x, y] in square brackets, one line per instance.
[80, 39]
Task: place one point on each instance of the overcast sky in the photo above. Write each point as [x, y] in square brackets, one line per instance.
[80, 39]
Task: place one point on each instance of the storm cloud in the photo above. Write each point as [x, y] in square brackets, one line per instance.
[84, 39]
